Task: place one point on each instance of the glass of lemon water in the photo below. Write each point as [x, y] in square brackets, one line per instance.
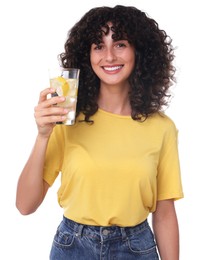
[66, 81]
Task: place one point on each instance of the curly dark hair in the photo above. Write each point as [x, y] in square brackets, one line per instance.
[153, 73]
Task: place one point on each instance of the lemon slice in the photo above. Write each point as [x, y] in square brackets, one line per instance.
[64, 85]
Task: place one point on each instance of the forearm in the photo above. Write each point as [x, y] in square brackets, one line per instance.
[167, 235]
[30, 188]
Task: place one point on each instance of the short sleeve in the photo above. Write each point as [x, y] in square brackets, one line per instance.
[169, 184]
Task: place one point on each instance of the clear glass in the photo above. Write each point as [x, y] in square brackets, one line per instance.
[66, 82]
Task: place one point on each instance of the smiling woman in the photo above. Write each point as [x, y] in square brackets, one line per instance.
[119, 162]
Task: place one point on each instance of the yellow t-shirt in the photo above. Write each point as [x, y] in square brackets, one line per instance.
[114, 171]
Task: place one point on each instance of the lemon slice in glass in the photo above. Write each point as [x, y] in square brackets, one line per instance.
[64, 85]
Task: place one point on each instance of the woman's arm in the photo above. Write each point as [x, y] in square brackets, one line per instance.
[165, 226]
[31, 188]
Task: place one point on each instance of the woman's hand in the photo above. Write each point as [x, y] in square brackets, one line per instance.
[47, 114]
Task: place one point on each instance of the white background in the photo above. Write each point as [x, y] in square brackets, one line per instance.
[32, 34]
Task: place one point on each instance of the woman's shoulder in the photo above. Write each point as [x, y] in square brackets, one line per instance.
[161, 119]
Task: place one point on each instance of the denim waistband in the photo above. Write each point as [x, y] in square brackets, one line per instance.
[104, 232]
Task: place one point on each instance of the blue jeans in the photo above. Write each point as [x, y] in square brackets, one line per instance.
[81, 242]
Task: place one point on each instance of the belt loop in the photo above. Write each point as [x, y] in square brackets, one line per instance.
[80, 229]
[101, 235]
[123, 233]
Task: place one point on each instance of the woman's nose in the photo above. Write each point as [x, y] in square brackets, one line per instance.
[110, 55]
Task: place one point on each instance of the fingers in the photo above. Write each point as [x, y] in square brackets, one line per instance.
[52, 111]
[47, 113]
[43, 121]
[45, 93]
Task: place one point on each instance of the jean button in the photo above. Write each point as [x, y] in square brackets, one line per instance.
[105, 232]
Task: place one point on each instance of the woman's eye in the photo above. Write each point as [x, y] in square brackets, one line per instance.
[98, 47]
[121, 44]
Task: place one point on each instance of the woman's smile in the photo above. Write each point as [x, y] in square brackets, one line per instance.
[112, 69]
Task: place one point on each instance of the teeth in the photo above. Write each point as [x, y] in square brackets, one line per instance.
[112, 68]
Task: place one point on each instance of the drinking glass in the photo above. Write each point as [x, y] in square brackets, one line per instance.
[66, 81]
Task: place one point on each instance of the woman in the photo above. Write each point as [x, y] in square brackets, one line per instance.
[119, 162]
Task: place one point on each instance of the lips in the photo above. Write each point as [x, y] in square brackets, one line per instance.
[112, 68]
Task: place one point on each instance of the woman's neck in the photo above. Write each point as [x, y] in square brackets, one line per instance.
[114, 100]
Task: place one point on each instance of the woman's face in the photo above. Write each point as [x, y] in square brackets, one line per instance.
[112, 61]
